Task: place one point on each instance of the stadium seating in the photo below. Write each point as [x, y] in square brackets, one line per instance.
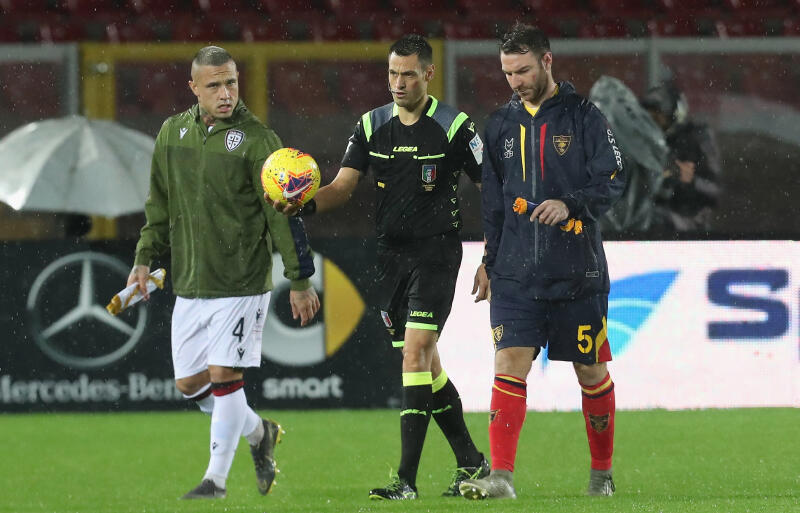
[27, 77]
[157, 8]
[196, 20]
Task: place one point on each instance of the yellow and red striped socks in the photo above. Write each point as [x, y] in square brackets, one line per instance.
[506, 416]
[598, 411]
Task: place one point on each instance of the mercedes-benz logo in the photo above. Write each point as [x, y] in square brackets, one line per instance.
[84, 336]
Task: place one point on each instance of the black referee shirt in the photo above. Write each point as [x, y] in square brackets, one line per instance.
[416, 168]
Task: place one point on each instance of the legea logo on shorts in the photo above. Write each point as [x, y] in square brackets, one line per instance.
[342, 309]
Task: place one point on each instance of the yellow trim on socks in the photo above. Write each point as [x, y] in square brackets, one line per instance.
[411, 379]
[439, 382]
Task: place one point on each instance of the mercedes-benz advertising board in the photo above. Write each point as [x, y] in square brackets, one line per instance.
[61, 349]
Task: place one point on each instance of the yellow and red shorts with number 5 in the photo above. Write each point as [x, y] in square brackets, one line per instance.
[573, 330]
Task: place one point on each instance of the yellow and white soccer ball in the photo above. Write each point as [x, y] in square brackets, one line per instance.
[290, 176]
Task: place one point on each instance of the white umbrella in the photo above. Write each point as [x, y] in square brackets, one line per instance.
[77, 165]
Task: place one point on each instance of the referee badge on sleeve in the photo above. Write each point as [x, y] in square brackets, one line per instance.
[476, 145]
[386, 320]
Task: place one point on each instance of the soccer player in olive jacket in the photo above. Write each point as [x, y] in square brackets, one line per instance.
[547, 270]
[206, 207]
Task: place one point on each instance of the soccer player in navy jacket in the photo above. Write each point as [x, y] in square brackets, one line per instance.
[549, 284]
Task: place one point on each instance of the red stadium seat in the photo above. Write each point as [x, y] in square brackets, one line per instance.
[330, 28]
[548, 8]
[285, 8]
[195, 28]
[471, 27]
[740, 26]
[617, 7]
[359, 91]
[8, 33]
[604, 28]
[348, 8]
[300, 28]
[137, 30]
[299, 88]
[488, 90]
[144, 81]
[231, 7]
[673, 26]
[27, 6]
[423, 8]
[477, 8]
[159, 8]
[687, 5]
[59, 30]
[566, 24]
[791, 27]
[305, 26]
[391, 28]
[27, 77]
[362, 27]
[263, 30]
[755, 4]
[89, 7]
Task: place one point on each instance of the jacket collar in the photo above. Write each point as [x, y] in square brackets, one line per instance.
[564, 89]
[240, 114]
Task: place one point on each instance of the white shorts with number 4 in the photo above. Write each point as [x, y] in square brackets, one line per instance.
[221, 331]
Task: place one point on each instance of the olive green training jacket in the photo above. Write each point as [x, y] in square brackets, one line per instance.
[206, 205]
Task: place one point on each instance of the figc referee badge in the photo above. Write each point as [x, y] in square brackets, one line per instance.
[428, 176]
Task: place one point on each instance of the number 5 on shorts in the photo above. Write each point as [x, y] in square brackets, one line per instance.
[583, 336]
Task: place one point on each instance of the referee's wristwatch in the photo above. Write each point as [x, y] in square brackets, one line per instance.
[308, 209]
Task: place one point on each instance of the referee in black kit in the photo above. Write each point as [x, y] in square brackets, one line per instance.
[417, 148]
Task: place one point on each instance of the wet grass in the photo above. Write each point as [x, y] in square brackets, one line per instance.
[690, 461]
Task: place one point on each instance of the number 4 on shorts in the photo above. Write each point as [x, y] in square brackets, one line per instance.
[238, 330]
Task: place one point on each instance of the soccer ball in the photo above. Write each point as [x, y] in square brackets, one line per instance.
[290, 176]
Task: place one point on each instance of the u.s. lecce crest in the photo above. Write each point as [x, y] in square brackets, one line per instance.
[497, 333]
[561, 143]
[233, 138]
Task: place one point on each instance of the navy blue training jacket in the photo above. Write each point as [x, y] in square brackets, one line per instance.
[567, 152]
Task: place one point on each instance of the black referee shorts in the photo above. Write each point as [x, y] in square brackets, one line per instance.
[417, 282]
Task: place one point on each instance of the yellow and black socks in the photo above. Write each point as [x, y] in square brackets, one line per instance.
[598, 410]
[449, 416]
[414, 419]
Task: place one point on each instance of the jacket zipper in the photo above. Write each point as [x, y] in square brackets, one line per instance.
[206, 135]
[533, 192]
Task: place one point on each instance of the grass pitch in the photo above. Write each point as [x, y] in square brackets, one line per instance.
[689, 461]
